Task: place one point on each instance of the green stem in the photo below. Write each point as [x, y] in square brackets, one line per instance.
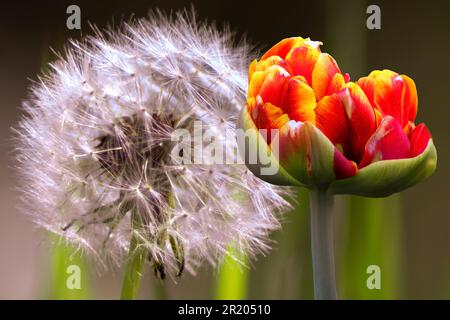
[133, 271]
[322, 245]
[232, 279]
[373, 237]
[65, 256]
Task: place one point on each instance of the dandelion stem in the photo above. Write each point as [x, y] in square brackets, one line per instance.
[322, 245]
[134, 269]
[233, 277]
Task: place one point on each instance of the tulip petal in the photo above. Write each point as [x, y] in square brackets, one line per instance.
[251, 102]
[388, 95]
[388, 142]
[283, 47]
[383, 178]
[252, 145]
[301, 101]
[336, 84]
[302, 61]
[361, 118]
[343, 168]
[268, 116]
[274, 87]
[306, 153]
[367, 84]
[332, 120]
[273, 61]
[408, 129]
[346, 77]
[420, 137]
[395, 95]
[323, 73]
[255, 83]
[251, 69]
[409, 99]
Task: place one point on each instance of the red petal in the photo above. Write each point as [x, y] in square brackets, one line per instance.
[255, 82]
[272, 61]
[388, 96]
[251, 102]
[283, 47]
[420, 137]
[361, 119]
[367, 84]
[343, 168]
[323, 73]
[302, 61]
[274, 87]
[346, 77]
[409, 99]
[409, 128]
[388, 142]
[301, 101]
[395, 95]
[251, 69]
[268, 116]
[336, 84]
[332, 120]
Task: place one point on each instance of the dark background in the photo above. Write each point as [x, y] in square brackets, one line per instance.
[414, 40]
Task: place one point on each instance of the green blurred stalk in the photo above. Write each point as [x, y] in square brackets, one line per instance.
[373, 226]
[63, 257]
[232, 278]
[373, 238]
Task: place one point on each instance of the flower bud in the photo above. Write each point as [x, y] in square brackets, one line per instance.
[353, 138]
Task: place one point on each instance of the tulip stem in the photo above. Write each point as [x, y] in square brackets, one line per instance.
[322, 245]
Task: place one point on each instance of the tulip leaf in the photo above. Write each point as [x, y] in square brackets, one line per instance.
[383, 178]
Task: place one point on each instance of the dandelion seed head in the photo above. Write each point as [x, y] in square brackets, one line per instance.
[95, 141]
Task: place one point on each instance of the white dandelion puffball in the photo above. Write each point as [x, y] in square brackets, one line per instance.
[96, 147]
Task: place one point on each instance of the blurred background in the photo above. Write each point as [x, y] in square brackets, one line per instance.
[407, 235]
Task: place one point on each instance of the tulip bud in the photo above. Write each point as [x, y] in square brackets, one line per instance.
[353, 138]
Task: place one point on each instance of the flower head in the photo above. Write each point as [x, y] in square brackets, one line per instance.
[96, 142]
[357, 138]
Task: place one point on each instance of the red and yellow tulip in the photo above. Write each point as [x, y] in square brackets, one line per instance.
[353, 138]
